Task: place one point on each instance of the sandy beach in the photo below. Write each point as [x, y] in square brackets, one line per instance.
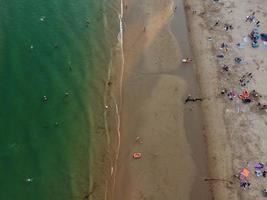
[235, 131]
[153, 117]
[190, 151]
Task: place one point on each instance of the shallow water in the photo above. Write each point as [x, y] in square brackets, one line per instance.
[59, 49]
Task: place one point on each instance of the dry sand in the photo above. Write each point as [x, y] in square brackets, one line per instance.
[236, 132]
[155, 84]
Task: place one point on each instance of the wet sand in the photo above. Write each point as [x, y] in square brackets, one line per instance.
[154, 87]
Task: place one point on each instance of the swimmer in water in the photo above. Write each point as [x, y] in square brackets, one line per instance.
[29, 180]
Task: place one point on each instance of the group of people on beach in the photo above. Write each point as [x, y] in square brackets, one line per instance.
[243, 176]
[246, 78]
[245, 96]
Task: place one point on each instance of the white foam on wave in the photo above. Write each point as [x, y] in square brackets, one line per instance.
[117, 107]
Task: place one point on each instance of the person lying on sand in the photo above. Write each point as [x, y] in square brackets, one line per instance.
[187, 60]
[189, 98]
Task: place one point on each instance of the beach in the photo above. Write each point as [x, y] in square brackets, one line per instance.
[154, 120]
[98, 104]
[193, 150]
[235, 131]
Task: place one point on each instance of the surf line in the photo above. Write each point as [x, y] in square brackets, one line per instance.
[118, 107]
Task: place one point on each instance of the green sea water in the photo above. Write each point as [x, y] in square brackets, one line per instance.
[61, 50]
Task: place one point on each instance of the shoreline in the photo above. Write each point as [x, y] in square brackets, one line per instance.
[102, 180]
[151, 80]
